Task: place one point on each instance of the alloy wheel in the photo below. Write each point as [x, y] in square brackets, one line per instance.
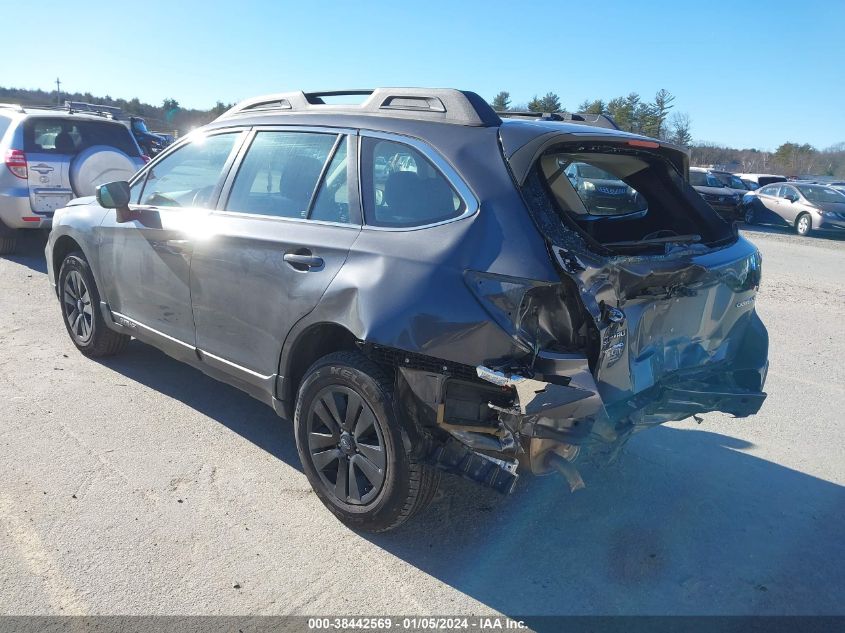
[77, 307]
[346, 445]
[804, 224]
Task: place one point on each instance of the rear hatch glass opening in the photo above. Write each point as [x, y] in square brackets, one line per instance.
[625, 200]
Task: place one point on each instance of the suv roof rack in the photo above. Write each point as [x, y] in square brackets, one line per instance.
[596, 120]
[112, 112]
[14, 106]
[444, 105]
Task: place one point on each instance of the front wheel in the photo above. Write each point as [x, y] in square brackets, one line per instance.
[80, 302]
[804, 224]
[354, 449]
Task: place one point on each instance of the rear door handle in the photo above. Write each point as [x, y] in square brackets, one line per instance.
[302, 261]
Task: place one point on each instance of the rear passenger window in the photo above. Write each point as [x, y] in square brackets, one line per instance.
[188, 176]
[279, 174]
[402, 188]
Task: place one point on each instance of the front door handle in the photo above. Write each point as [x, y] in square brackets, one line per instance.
[302, 261]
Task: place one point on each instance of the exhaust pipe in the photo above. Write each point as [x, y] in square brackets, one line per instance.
[567, 469]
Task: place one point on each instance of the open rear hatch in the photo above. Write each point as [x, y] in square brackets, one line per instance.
[654, 319]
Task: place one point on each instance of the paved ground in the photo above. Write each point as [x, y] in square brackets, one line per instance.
[137, 485]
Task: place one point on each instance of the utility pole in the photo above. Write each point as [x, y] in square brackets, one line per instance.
[58, 91]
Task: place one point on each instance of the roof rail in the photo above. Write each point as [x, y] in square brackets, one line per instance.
[444, 105]
[93, 108]
[14, 106]
[596, 120]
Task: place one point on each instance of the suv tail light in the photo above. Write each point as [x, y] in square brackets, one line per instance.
[16, 162]
[145, 158]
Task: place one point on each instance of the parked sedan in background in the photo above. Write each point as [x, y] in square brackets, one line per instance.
[724, 200]
[755, 181]
[802, 206]
[839, 185]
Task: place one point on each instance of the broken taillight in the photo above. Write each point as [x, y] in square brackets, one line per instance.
[16, 162]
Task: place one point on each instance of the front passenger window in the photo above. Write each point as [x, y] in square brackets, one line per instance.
[188, 177]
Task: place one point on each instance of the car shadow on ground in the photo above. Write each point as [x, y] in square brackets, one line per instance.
[684, 523]
[30, 250]
[246, 416]
[688, 521]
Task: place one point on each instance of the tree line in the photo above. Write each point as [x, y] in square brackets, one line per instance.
[631, 113]
[655, 118]
[789, 159]
[169, 117]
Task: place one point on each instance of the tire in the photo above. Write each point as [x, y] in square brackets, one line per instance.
[8, 244]
[80, 304]
[750, 218]
[804, 224]
[334, 456]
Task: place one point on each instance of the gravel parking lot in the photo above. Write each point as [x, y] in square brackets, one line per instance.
[137, 485]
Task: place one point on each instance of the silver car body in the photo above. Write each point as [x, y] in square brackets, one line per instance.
[783, 203]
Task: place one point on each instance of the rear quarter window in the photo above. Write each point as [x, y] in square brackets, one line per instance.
[71, 136]
[402, 188]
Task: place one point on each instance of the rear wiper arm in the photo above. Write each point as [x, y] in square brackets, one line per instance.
[672, 239]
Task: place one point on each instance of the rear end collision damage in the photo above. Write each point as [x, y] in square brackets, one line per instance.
[634, 335]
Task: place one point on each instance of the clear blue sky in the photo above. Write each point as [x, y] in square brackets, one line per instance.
[749, 74]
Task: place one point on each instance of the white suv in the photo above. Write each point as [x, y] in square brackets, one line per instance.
[52, 156]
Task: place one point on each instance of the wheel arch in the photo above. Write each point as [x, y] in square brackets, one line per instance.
[64, 245]
[306, 347]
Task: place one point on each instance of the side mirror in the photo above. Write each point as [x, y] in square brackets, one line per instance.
[115, 195]
[792, 197]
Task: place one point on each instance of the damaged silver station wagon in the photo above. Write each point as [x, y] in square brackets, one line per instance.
[422, 286]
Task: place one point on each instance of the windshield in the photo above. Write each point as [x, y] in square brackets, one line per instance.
[816, 193]
[704, 179]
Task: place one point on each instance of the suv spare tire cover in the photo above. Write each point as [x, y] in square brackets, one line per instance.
[97, 165]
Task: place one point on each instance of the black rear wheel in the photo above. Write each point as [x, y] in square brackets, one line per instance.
[8, 239]
[749, 215]
[355, 450]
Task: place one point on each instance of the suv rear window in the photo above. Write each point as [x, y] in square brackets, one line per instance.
[401, 187]
[623, 199]
[71, 136]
